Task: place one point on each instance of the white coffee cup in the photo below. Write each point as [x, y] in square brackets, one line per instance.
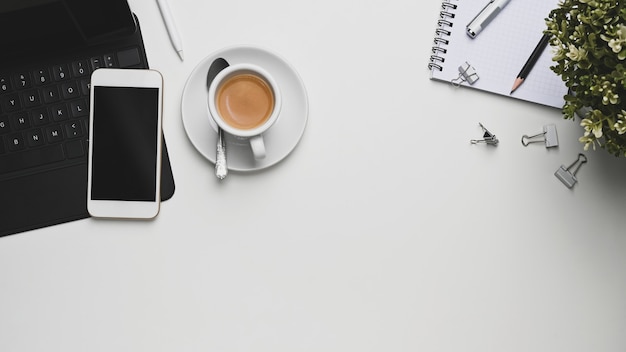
[245, 101]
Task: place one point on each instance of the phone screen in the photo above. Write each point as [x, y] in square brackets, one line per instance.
[124, 161]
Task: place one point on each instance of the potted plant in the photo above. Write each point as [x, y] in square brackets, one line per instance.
[589, 38]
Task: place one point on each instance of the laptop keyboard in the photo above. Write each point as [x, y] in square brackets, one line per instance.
[44, 111]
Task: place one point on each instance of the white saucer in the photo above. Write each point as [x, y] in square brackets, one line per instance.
[280, 139]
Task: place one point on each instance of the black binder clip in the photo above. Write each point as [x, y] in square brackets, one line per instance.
[467, 73]
[567, 176]
[488, 137]
[549, 137]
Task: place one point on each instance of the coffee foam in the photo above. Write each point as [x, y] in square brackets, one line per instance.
[245, 101]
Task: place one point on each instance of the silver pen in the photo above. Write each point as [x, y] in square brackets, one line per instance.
[485, 16]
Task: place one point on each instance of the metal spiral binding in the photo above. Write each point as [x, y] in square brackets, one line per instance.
[443, 30]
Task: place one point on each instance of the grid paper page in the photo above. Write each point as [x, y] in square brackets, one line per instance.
[501, 49]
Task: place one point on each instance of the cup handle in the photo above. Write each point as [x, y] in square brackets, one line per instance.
[258, 147]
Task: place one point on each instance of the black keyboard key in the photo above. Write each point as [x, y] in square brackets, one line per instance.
[54, 134]
[31, 158]
[109, 60]
[4, 125]
[31, 98]
[20, 121]
[79, 108]
[22, 80]
[96, 63]
[10, 102]
[34, 138]
[42, 76]
[51, 94]
[73, 129]
[74, 149]
[60, 112]
[2, 150]
[80, 68]
[5, 84]
[40, 116]
[85, 85]
[129, 57]
[15, 142]
[70, 90]
[60, 73]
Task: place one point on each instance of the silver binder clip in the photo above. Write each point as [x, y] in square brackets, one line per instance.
[549, 137]
[567, 176]
[488, 137]
[467, 73]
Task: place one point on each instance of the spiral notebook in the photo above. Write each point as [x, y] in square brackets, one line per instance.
[495, 57]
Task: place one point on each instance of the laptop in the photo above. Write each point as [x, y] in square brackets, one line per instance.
[48, 50]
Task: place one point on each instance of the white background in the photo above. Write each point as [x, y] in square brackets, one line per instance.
[384, 230]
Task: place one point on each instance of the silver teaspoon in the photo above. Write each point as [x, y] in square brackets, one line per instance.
[221, 168]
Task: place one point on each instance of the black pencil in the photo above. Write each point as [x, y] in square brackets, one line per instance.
[531, 62]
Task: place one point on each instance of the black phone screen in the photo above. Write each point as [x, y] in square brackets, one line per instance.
[124, 159]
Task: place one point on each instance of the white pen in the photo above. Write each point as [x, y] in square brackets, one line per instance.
[485, 16]
[171, 27]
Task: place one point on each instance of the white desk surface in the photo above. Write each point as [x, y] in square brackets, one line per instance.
[385, 229]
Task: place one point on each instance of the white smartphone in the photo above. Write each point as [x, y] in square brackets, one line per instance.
[125, 122]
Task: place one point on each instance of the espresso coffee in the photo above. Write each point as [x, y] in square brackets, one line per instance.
[245, 101]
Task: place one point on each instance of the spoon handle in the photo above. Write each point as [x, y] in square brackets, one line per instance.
[221, 170]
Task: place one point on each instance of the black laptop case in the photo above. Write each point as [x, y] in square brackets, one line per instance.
[44, 111]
